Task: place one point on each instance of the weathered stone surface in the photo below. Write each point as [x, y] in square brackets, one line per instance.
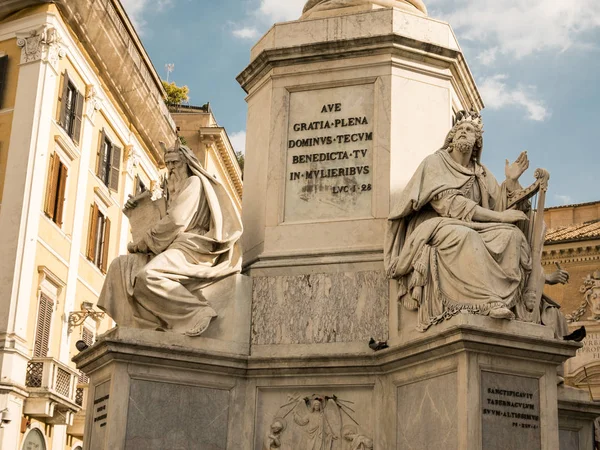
[175, 416]
[568, 440]
[320, 308]
[510, 411]
[432, 402]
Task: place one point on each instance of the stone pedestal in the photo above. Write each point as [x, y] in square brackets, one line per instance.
[577, 415]
[476, 384]
[341, 111]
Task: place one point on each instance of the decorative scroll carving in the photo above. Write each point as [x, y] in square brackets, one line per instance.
[93, 102]
[42, 44]
[591, 292]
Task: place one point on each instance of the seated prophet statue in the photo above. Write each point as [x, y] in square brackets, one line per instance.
[158, 285]
[451, 243]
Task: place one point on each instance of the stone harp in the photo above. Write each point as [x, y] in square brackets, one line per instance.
[534, 230]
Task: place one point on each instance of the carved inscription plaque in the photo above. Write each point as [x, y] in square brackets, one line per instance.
[329, 170]
[510, 408]
[99, 415]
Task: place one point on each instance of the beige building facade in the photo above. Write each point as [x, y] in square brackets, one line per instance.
[81, 114]
[573, 243]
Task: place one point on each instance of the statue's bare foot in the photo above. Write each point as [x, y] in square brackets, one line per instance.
[200, 327]
[502, 313]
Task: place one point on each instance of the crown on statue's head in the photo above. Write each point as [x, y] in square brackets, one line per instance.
[471, 117]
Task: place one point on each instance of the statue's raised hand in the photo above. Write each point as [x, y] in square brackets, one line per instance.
[515, 170]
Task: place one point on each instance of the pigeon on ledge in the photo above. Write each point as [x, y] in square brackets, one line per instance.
[377, 345]
[577, 335]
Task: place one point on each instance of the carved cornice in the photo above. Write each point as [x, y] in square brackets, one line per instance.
[42, 44]
[571, 255]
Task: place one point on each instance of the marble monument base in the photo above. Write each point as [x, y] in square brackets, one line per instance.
[473, 384]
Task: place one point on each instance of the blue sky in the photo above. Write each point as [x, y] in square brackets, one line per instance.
[537, 65]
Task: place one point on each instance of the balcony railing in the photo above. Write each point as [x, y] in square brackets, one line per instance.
[81, 398]
[52, 387]
[53, 376]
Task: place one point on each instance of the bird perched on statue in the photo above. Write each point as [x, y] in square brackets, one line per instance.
[577, 335]
[377, 345]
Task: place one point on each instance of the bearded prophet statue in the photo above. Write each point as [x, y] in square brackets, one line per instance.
[451, 243]
[158, 285]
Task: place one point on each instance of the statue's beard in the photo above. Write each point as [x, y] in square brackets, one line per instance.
[464, 147]
[175, 182]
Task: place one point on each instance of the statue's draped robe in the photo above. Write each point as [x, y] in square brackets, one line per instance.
[193, 246]
[444, 262]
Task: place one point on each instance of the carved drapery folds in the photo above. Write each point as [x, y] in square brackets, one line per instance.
[42, 44]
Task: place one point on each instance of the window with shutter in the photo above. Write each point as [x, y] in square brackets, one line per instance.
[56, 189]
[44, 323]
[71, 108]
[91, 245]
[64, 93]
[60, 197]
[98, 239]
[77, 118]
[87, 336]
[3, 76]
[101, 157]
[99, 244]
[108, 167]
[105, 244]
[115, 168]
[51, 186]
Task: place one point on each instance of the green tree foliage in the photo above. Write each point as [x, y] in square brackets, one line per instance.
[176, 95]
[240, 160]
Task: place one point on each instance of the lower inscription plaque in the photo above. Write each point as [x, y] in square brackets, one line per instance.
[510, 412]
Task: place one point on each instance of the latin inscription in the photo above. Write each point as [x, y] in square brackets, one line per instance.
[100, 415]
[329, 154]
[510, 411]
[99, 412]
[591, 346]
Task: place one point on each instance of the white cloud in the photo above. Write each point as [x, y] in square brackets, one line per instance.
[238, 141]
[246, 33]
[278, 10]
[488, 57]
[564, 199]
[267, 13]
[520, 27]
[497, 94]
[137, 9]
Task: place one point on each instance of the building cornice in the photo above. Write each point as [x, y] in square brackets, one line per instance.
[226, 155]
[584, 252]
[397, 45]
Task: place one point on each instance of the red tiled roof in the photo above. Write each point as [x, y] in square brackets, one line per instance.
[579, 232]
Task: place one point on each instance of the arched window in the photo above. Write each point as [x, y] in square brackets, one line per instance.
[34, 440]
